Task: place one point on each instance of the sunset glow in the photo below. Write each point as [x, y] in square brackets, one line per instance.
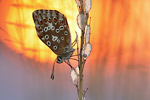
[118, 67]
[22, 32]
[119, 29]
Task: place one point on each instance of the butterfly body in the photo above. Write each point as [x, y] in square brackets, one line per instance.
[53, 30]
[65, 56]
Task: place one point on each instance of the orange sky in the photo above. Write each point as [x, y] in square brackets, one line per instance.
[118, 67]
[119, 29]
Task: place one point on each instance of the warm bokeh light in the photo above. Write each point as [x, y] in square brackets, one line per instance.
[120, 32]
[118, 67]
[119, 29]
[21, 29]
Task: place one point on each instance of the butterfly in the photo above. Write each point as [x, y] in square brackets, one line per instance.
[53, 30]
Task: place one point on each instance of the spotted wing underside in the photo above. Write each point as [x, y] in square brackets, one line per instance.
[52, 28]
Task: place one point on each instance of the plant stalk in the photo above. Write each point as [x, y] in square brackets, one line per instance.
[81, 66]
[81, 63]
[81, 92]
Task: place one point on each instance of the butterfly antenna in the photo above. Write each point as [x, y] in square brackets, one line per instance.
[52, 75]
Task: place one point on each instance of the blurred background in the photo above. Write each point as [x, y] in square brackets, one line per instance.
[118, 67]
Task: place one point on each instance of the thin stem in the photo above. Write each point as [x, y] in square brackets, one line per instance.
[77, 45]
[81, 92]
[80, 80]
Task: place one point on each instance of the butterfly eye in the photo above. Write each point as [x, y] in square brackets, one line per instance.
[46, 37]
[44, 20]
[61, 27]
[58, 41]
[48, 43]
[55, 19]
[57, 30]
[54, 47]
[53, 27]
[39, 27]
[61, 21]
[46, 29]
[49, 20]
[41, 22]
[66, 33]
[62, 38]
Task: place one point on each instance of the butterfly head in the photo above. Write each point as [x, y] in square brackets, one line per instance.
[65, 56]
[59, 59]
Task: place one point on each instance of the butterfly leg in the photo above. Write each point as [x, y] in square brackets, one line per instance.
[68, 61]
[74, 55]
[74, 43]
[69, 64]
[74, 59]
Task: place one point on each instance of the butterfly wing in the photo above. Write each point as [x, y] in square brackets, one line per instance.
[52, 28]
